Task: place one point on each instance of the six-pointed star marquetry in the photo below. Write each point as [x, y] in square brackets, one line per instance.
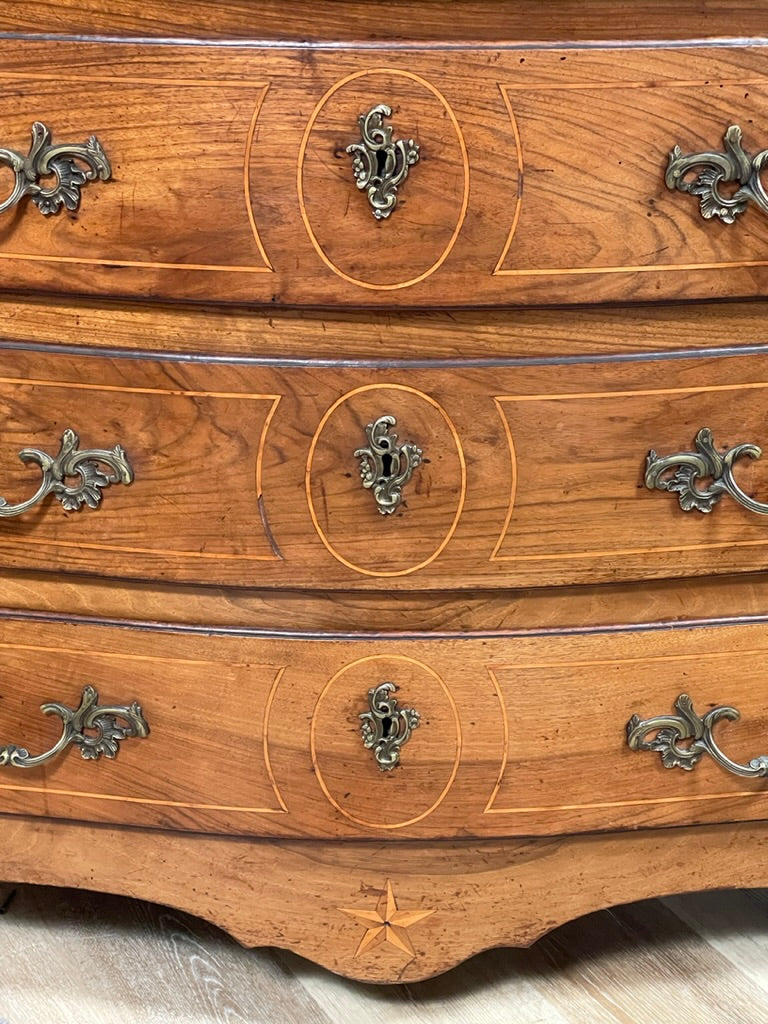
[386, 924]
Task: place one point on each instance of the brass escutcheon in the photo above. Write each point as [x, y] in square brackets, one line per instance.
[380, 165]
[386, 466]
[385, 728]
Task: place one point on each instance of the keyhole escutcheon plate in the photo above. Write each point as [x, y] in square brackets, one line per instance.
[386, 466]
[385, 727]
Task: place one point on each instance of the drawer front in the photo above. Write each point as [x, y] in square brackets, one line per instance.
[487, 735]
[414, 477]
[495, 178]
[252, 476]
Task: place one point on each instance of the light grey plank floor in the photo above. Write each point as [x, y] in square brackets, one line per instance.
[68, 957]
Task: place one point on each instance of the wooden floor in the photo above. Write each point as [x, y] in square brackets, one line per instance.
[69, 957]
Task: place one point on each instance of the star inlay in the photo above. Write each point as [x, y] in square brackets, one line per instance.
[386, 924]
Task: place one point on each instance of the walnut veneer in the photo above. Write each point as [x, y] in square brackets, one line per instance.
[516, 199]
[227, 310]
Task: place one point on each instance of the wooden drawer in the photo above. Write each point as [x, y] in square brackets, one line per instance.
[249, 475]
[540, 178]
[518, 735]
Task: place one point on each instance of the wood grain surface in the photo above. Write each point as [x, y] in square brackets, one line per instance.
[293, 895]
[430, 21]
[295, 613]
[259, 736]
[387, 339]
[517, 199]
[245, 590]
[247, 475]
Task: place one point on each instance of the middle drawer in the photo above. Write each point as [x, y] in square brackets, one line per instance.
[504, 474]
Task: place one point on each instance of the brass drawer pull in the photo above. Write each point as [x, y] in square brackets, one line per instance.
[63, 162]
[71, 463]
[386, 466]
[385, 728]
[734, 166]
[687, 725]
[380, 165]
[680, 472]
[101, 720]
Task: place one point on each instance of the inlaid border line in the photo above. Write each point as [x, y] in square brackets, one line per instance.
[150, 801]
[38, 76]
[610, 553]
[174, 393]
[608, 663]
[613, 86]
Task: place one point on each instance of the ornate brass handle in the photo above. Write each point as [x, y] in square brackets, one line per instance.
[44, 160]
[385, 728]
[71, 463]
[386, 466]
[380, 165]
[734, 166]
[670, 730]
[101, 720]
[680, 472]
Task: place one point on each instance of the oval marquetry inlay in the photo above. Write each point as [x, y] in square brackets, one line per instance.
[345, 514]
[410, 245]
[348, 773]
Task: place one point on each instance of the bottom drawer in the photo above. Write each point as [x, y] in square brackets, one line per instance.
[513, 734]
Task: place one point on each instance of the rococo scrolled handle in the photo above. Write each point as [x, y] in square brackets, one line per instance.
[72, 165]
[92, 727]
[672, 730]
[385, 728]
[96, 468]
[704, 174]
[386, 466]
[381, 165]
[680, 472]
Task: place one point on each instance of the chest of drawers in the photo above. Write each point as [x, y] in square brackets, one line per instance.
[383, 572]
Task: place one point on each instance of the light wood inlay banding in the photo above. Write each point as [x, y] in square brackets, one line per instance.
[76, 82]
[591, 553]
[381, 237]
[514, 93]
[256, 718]
[367, 530]
[415, 780]
[161, 746]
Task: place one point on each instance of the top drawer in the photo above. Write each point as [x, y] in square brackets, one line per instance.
[534, 176]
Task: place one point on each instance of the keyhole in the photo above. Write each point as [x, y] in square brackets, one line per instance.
[386, 460]
[381, 161]
[386, 726]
